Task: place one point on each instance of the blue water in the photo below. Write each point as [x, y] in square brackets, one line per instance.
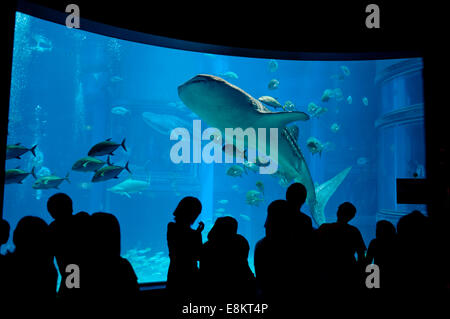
[65, 83]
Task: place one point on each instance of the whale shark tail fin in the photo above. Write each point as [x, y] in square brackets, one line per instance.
[323, 194]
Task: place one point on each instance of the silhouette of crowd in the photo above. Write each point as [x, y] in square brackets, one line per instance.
[293, 260]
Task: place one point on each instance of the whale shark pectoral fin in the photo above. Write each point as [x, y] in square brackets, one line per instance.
[281, 119]
[126, 194]
[323, 194]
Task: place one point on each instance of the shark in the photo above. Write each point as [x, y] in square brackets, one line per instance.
[163, 123]
[130, 186]
[223, 105]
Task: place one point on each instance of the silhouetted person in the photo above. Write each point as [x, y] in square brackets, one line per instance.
[4, 232]
[107, 275]
[275, 254]
[32, 273]
[337, 245]
[184, 250]
[415, 259]
[224, 269]
[300, 225]
[4, 236]
[383, 251]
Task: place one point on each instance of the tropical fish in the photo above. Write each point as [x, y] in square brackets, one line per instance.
[16, 175]
[119, 110]
[106, 148]
[289, 106]
[163, 123]
[235, 171]
[253, 197]
[49, 181]
[365, 101]
[109, 172]
[221, 104]
[88, 164]
[270, 101]
[273, 65]
[273, 84]
[130, 186]
[16, 150]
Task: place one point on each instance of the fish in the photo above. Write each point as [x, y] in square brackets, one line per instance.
[233, 151]
[289, 106]
[338, 95]
[164, 123]
[235, 171]
[16, 175]
[221, 104]
[253, 197]
[316, 110]
[229, 75]
[245, 217]
[365, 101]
[49, 181]
[260, 186]
[223, 201]
[315, 146]
[327, 95]
[130, 186]
[273, 84]
[220, 210]
[345, 70]
[349, 99]
[43, 44]
[335, 127]
[235, 187]
[109, 172]
[106, 147]
[120, 110]
[273, 65]
[270, 101]
[361, 161]
[88, 164]
[16, 150]
[115, 78]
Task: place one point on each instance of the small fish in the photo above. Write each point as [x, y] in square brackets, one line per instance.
[289, 106]
[349, 99]
[235, 187]
[235, 171]
[119, 110]
[260, 186]
[229, 75]
[245, 217]
[85, 185]
[327, 95]
[270, 101]
[316, 110]
[315, 146]
[345, 70]
[106, 147]
[365, 101]
[253, 197]
[50, 181]
[273, 84]
[273, 65]
[223, 201]
[16, 150]
[220, 210]
[361, 161]
[115, 79]
[335, 127]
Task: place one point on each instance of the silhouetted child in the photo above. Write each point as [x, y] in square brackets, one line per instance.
[32, 273]
[275, 254]
[224, 269]
[184, 250]
[337, 244]
[383, 251]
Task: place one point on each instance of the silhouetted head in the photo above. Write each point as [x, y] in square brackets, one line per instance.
[224, 228]
[105, 230]
[187, 210]
[385, 230]
[277, 218]
[296, 195]
[412, 226]
[346, 212]
[60, 206]
[4, 231]
[31, 236]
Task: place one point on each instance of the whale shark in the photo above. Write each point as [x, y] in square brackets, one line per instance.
[223, 105]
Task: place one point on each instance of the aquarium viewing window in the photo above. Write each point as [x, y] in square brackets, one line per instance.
[347, 128]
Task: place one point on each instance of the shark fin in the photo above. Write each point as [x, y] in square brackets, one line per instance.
[126, 194]
[281, 119]
[323, 194]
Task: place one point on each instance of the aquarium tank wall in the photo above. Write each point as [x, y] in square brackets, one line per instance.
[72, 89]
